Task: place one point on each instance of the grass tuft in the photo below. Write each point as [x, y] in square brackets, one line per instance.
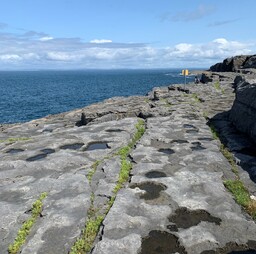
[27, 225]
[242, 196]
[217, 85]
[84, 244]
[12, 140]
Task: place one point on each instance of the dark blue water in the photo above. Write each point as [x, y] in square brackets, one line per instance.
[27, 95]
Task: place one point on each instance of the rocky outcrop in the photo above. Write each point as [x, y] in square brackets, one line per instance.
[234, 64]
[174, 201]
[243, 112]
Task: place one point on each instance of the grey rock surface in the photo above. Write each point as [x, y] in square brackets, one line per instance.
[175, 201]
[234, 64]
[243, 112]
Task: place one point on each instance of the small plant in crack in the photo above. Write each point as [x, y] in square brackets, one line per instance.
[95, 218]
[36, 210]
[242, 196]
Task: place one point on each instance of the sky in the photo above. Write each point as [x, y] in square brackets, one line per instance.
[134, 34]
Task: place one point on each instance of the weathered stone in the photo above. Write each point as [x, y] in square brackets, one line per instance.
[243, 112]
[177, 169]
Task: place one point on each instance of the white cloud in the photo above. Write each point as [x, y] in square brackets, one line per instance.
[46, 38]
[100, 41]
[10, 57]
[69, 53]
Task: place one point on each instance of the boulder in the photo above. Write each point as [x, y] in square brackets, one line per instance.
[243, 111]
[250, 62]
[231, 64]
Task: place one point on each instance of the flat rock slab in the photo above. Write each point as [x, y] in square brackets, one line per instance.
[184, 205]
[56, 163]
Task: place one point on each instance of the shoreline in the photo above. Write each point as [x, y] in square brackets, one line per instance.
[175, 167]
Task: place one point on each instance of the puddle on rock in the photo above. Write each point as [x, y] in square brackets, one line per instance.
[48, 151]
[152, 189]
[189, 126]
[97, 146]
[197, 146]
[179, 141]
[13, 151]
[166, 151]
[192, 131]
[155, 174]
[184, 218]
[206, 139]
[75, 146]
[161, 242]
[114, 130]
[37, 157]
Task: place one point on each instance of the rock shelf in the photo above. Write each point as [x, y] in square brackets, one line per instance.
[175, 200]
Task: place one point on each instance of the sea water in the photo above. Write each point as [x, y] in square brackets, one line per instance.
[28, 95]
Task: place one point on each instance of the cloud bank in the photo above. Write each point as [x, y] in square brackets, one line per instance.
[34, 50]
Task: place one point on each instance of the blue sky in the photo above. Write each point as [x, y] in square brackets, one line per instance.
[81, 34]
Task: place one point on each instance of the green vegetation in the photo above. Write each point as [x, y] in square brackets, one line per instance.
[27, 225]
[126, 165]
[224, 150]
[167, 103]
[217, 85]
[195, 97]
[242, 196]
[206, 115]
[214, 132]
[12, 140]
[236, 187]
[93, 169]
[84, 244]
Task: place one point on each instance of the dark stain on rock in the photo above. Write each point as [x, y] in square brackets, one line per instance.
[172, 228]
[13, 151]
[184, 218]
[189, 126]
[75, 146]
[234, 248]
[179, 141]
[205, 139]
[37, 157]
[152, 189]
[192, 131]
[48, 151]
[97, 146]
[114, 130]
[191, 117]
[166, 151]
[197, 146]
[161, 242]
[155, 174]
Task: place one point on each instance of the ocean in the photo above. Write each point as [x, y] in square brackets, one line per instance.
[28, 95]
